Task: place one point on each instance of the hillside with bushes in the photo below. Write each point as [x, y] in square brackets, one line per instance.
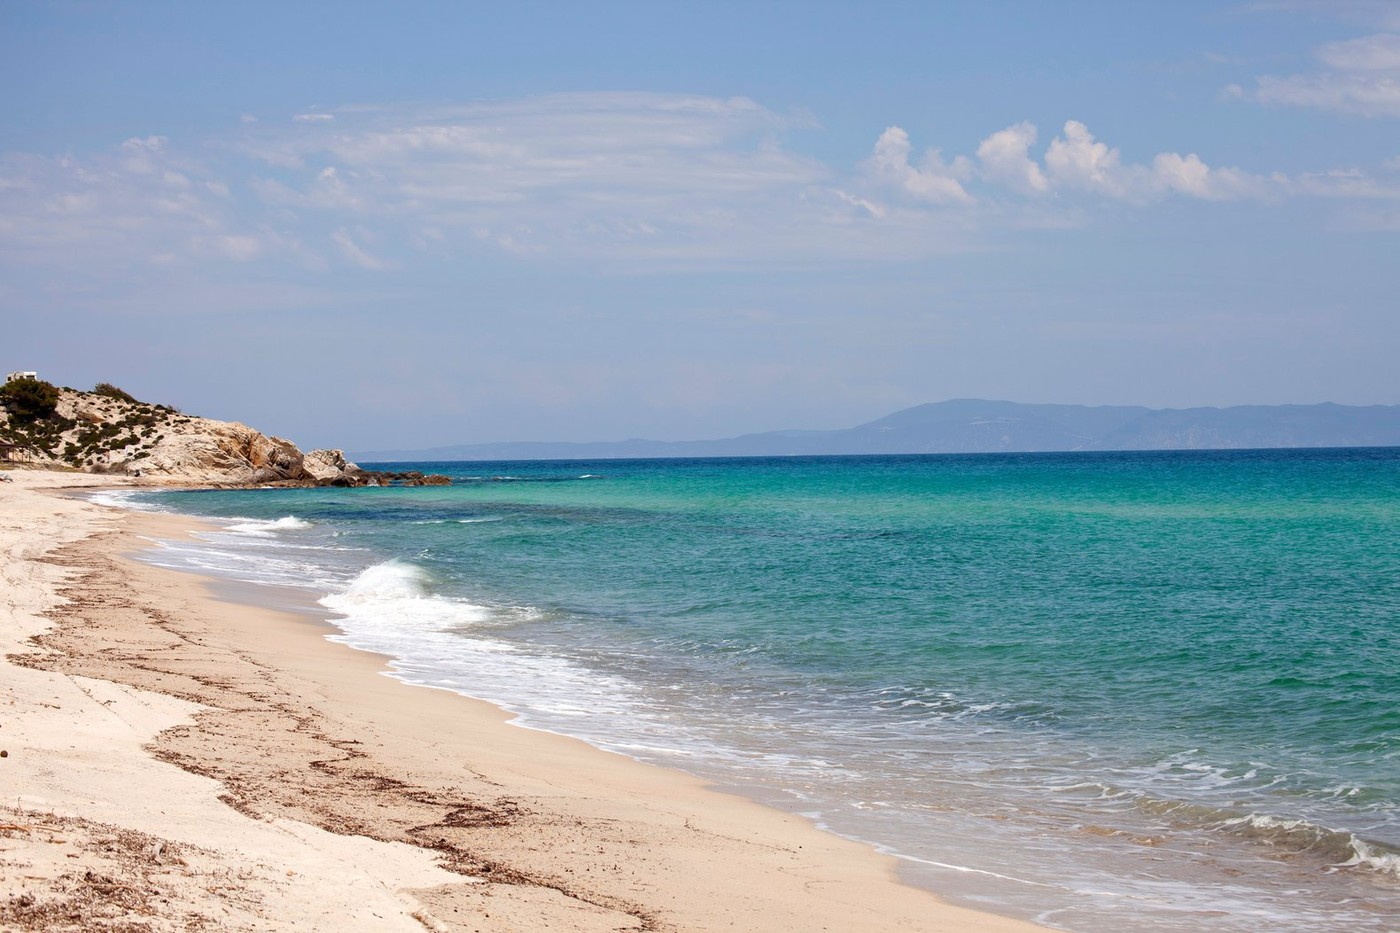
[106, 430]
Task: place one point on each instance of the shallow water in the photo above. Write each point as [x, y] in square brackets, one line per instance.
[1109, 691]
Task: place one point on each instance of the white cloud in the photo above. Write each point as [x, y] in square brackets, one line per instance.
[873, 208]
[1077, 160]
[148, 144]
[1377, 53]
[1074, 162]
[935, 180]
[314, 117]
[614, 144]
[1188, 175]
[1006, 160]
[637, 181]
[141, 202]
[1362, 77]
[1366, 96]
[1352, 184]
[143, 156]
[574, 173]
[356, 254]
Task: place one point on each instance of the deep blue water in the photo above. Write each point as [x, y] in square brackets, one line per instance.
[1112, 691]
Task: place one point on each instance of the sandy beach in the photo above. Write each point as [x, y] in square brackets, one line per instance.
[174, 760]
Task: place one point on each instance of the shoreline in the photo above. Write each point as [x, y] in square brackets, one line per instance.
[456, 819]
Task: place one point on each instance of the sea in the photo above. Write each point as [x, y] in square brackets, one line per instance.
[1103, 691]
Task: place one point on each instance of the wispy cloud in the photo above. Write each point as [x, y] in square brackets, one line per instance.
[646, 181]
[140, 200]
[141, 213]
[1358, 76]
[579, 172]
[357, 254]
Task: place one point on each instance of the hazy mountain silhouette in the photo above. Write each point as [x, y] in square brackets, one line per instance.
[981, 426]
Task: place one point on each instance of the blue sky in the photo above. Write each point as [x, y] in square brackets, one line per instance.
[367, 225]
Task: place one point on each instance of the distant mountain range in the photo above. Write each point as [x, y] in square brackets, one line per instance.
[980, 426]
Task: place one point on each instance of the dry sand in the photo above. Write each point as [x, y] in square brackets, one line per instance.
[177, 762]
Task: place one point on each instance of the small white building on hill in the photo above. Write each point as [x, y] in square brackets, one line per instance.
[13, 377]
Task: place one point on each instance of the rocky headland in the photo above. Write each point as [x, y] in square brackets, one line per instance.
[107, 431]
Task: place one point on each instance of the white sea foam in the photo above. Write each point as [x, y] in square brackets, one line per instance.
[450, 643]
[123, 499]
[1266, 822]
[246, 565]
[1371, 858]
[268, 527]
[393, 598]
[454, 521]
[1351, 851]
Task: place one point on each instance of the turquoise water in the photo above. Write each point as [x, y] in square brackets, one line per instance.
[1109, 691]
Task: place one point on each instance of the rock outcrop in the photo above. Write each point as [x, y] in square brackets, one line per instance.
[215, 451]
[100, 433]
[325, 466]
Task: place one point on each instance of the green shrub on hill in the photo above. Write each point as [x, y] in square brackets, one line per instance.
[107, 390]
[29, 400]
[30, 422]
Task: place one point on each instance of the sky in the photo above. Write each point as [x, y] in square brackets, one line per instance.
[404, 225]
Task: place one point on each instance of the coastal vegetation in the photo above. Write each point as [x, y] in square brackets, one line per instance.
[29, 400]
[111, 391]
[108, 430]
[105, 424]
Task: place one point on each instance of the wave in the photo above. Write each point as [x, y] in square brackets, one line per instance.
[132, 499]
[453, 521]
[448, 643]
[392, 579]
[396, 596]
[1373, 858]
[267, 527]
[1300, 836]
[253, 562]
